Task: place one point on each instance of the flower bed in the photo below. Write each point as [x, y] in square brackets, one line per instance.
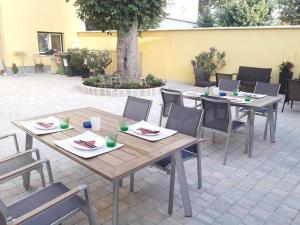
[115, 86]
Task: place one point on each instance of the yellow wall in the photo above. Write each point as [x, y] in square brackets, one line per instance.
[168, 53]
[21, 19]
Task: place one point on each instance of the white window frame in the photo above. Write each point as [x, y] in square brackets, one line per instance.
[49, 35]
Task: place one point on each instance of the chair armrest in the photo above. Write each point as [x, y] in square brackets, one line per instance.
[23, 169]
[15, 140]
[21, 154]
[199, 140]
[48, 205]
[5, 212]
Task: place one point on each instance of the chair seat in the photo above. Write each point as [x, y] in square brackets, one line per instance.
[237, 124]
[41, 197]
[165, 162]
[15, 163]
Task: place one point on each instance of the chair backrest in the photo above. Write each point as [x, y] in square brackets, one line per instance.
[185, 120]
[254, 74]
[228, 85]
[137, 108]
[216, 114]
[266, 89]
[293, 91]
[223, 76]
[170, 97]
[37, 59]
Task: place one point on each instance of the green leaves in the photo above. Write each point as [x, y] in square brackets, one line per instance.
[246, 13]
[108, 15]
[290, 11]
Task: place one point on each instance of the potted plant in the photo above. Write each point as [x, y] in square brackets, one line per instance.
[206, 63]
[78, 61]
[285, 74]
[14, 68]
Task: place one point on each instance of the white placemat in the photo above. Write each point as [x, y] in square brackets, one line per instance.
[164, 133]
[67, 145]
[30, 125]
[192, 93]
[253, 95]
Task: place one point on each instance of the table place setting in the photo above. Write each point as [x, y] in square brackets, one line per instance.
[147, 131]
[252, 95]
[192, 93]
[47, 125]
[89, 144]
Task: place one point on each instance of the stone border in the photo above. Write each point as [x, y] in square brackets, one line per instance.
[119, 92]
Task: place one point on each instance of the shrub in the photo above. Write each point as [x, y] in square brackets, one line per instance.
[14, 68]
[78, 58]
[115, 81]
[98, 61]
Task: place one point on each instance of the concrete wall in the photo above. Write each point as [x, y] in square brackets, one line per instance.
[168, 53]
[21, 20]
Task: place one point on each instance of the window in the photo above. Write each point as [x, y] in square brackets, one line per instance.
[49, 42]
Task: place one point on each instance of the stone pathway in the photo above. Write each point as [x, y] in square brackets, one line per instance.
[261, 190]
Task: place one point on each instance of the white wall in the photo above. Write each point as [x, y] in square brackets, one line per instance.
[183, 10]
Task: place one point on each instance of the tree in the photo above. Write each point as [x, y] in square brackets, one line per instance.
[246, 13]
[206, 19]
[290, 11]
[129, 18]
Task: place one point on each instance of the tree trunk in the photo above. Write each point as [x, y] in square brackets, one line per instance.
[128, 53]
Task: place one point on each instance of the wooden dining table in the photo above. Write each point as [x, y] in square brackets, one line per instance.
[258, 103]
[115, 165]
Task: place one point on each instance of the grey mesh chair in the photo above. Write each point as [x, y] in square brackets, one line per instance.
[186, 121]
[169, 97]
[293, 92]
[228, 85]
[250, 75]
[20, 163]
[137, 108]
[270, 90]
[223, 76]
[217, 118]
[48, 206]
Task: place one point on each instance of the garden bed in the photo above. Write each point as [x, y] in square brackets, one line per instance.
[115, 86]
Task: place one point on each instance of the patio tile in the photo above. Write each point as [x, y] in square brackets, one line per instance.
[262, 190]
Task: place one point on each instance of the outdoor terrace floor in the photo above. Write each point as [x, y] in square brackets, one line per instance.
[261, 190]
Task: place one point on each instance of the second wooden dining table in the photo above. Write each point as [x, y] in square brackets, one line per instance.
[118, 164]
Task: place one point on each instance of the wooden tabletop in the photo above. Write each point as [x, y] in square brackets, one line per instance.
[134, 155]
[256, 103]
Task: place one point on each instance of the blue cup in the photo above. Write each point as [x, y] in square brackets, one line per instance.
[222, 94]
[87, 124]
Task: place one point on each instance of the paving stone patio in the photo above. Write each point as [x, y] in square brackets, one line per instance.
[261, 190]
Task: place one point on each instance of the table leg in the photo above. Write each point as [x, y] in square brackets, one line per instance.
[251, 132]
[115, 205]
[183, 185]
[247, 146]
[26, 177]
[172, 184]
[271, 123]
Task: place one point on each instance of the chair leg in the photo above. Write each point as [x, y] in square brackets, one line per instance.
[266, 129]
[226, 149]
[131, 182]
[42, 176]
[89, 207]
[199, 167]
[160, 120]
[276, 114]
[214, 137]
[283, 107]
